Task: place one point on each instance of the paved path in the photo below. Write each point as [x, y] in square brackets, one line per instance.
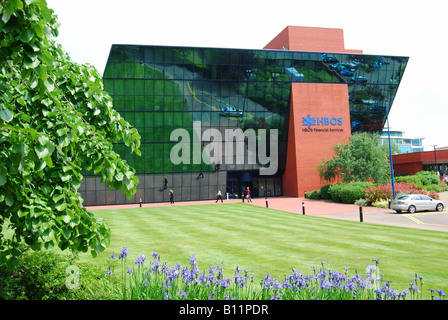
[437, 221]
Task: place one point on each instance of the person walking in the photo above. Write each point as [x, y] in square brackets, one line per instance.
[201, 175]
[247, 195]
[219, 196]
[171, 196]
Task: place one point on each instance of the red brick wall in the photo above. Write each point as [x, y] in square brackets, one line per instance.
[310, 39]
[307, 149]
[411, 163]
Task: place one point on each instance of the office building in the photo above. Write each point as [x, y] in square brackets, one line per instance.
[304, 86]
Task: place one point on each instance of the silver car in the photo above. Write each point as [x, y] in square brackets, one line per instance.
[416, 202]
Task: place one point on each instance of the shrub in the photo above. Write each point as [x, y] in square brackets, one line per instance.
[335, 191]
[348, 193]
[374, 194]
[38, 276]
[361, 202]
[428, 177]
[43, 275]
[433, 195]
[315, 195]
[324, 192]
[409, 179]
[351, 193]
[432, 187]
[427, 180]
[383, 203]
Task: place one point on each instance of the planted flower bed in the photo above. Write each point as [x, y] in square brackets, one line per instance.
[158, 281]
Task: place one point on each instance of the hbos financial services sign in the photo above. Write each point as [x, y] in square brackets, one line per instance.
[322, 124]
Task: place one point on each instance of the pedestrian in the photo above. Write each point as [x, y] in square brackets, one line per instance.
[171, 196]
[219, 196]
[201, 175]
[247, 195]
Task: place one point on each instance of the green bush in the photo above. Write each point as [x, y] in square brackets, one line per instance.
[335, 191]
[432, 187]
[348, 192]
[43, 275]
[351, 193]
[38, 276]
[428, 177]
[421, 179]
[315, 195]
[408, 179]
[325, 193]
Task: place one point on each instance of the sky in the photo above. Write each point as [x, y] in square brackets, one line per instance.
[413, 29]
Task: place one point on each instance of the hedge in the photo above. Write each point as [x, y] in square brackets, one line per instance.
[348, 193]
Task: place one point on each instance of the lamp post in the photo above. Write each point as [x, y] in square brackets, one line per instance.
[435, 158]
[390, 152]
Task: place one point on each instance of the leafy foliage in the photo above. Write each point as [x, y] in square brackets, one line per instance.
[43, 275]
[348, 193]
[384, 192]
[420, 179]
[360, 159]
[55, 121]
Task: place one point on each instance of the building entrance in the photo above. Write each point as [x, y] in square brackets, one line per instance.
[259, 186]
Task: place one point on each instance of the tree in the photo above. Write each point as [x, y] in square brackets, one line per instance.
[55, 122]
[362, 158]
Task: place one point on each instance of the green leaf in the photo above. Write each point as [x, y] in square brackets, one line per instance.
[42, 72]
[31, 63]
[62, 131]
[48, 161]
[2, 175]
[40, 165]
[119, 176]
[9, 9]
[58, 197]
[6, 115]
[67, 234]
[41, 152]
[9, 200]
[26, 35]
[39, 29]
[66, 177]
[49, 245]
[49, 85]
[62, 207]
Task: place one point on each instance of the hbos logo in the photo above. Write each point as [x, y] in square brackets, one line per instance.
[321, 121]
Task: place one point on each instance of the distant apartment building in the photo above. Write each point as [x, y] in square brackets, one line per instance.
[405, 144]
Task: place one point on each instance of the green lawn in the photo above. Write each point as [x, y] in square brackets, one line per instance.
[264, 240]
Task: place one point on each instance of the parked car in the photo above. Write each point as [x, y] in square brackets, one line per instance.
[416, 202]
[359, 79]
[329, 59]
[346, 72]
[231, 112]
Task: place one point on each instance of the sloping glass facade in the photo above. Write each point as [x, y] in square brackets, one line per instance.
[160, 89]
